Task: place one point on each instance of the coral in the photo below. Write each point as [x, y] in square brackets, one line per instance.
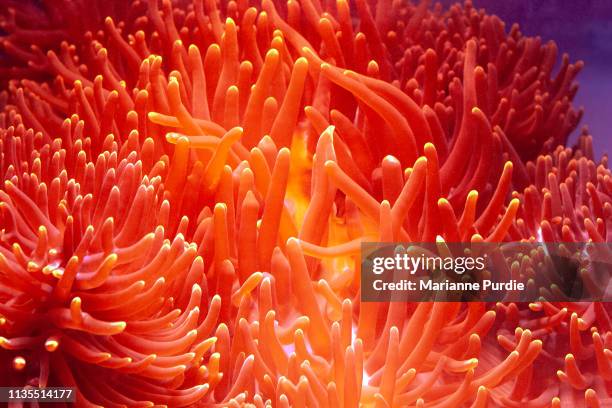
[187, 184]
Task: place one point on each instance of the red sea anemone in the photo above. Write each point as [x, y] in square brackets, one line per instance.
[186, 186]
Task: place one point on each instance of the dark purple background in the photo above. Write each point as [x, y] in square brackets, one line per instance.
[583, 29]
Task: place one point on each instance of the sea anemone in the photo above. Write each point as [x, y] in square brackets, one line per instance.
[187, 185]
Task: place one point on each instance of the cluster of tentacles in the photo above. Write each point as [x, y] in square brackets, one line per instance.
[187, 184]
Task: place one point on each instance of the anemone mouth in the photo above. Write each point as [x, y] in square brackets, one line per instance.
[186, 186]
